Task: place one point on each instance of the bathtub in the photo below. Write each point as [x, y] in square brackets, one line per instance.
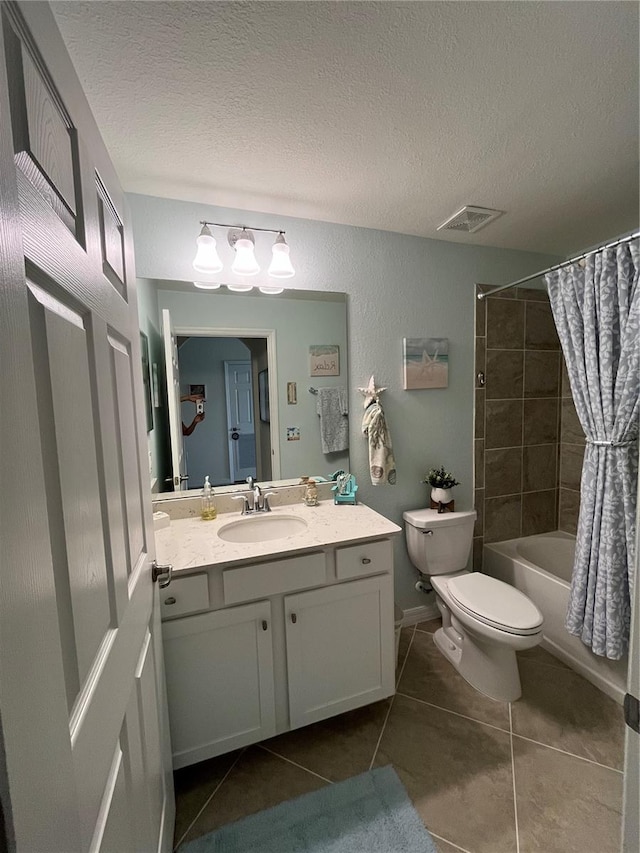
[541, 566]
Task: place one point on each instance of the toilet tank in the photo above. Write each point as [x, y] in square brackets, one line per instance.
[439, 543]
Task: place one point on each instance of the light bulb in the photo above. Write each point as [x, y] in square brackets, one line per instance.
[281, 266]
[245, 262]
[271, 291]
[240, 288]
[207, 259]
[206, 285]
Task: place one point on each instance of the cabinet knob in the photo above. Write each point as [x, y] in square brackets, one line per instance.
[365, 561]
[170, 600]
[264, 625]
[294, 618]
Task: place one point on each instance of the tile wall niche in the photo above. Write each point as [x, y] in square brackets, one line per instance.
[517, 421]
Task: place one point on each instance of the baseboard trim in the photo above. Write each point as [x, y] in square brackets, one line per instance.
[419, 614]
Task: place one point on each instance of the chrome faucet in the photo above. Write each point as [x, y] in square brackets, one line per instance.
[257, 495]
[260, 501]
[245, 503]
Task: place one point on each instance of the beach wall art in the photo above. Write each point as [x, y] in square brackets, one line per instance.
[425, 363]
[324, 360]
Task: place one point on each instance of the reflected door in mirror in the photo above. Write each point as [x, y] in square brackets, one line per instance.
[240, 420]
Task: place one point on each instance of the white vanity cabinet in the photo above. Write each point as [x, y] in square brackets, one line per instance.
[340, 648]
[318, 642]
[220, 684]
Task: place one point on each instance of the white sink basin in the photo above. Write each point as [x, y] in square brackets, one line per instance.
[262, 528]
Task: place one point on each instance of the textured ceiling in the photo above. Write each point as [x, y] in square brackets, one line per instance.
[384, 115]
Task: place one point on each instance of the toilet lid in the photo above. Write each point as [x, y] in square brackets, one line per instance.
[495, 602]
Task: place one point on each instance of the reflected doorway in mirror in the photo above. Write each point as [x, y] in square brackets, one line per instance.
[263, 396]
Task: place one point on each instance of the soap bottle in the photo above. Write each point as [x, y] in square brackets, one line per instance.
[311, 493]
[208, 510]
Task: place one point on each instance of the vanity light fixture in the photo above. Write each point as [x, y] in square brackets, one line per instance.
[238, 287]
[280, 266]
[242, 240]
[207, 259]
[207, 285]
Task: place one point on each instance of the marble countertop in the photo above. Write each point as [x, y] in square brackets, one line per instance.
[190, 543]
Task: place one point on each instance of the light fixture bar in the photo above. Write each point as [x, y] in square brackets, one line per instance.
[243, 227]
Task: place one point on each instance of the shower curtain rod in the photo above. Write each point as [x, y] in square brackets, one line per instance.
[560, 266]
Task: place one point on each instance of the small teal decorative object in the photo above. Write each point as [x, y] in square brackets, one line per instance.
[345, 489]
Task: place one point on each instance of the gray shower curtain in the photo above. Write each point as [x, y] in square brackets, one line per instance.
[596, 309]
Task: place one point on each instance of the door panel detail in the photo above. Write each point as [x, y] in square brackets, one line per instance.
[43, 134]
[127, 452]
[147, 697]
[111, 239]
[112, 831]
[82, 585]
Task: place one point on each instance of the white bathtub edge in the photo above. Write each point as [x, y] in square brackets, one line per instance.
[551, 595]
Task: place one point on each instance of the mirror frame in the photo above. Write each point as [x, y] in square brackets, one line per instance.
[180, 286]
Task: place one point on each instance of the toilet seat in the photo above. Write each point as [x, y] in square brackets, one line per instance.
[495, 603]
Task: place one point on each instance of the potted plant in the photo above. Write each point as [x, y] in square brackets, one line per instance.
[441, 483]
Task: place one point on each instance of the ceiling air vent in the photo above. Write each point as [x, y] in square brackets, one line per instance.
[470, 219]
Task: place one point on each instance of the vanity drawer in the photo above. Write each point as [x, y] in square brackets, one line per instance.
[185, 595]
[370, 558]
[265, 579]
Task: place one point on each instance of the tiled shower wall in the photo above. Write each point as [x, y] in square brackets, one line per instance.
[517, 422]
[572, 445]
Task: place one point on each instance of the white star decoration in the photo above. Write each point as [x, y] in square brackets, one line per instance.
[371, 393]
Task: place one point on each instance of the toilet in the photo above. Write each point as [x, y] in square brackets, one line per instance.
[484, 621]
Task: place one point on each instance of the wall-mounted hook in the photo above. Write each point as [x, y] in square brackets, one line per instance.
[371, 393]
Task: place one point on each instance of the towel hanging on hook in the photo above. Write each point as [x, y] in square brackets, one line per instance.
[382, 465]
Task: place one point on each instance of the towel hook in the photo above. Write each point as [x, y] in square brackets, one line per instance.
[371, 393]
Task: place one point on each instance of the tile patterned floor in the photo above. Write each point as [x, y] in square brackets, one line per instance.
[540, 776]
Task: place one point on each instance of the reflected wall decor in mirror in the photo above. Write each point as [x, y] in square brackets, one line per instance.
[229, 360]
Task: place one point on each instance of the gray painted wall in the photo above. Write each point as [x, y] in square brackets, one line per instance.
[399, 286]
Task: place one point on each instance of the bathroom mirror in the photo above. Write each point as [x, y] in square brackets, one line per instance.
[253, 358]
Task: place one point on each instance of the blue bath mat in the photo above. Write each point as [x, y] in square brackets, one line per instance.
[370, 813]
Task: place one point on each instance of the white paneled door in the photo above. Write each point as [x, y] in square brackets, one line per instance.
[241, 425]
[85, 764]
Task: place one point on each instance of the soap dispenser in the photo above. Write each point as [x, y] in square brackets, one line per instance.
[208, 510]
[311, 493]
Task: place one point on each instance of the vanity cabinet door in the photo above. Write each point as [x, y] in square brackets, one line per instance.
[219, 681]
[340, 648]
